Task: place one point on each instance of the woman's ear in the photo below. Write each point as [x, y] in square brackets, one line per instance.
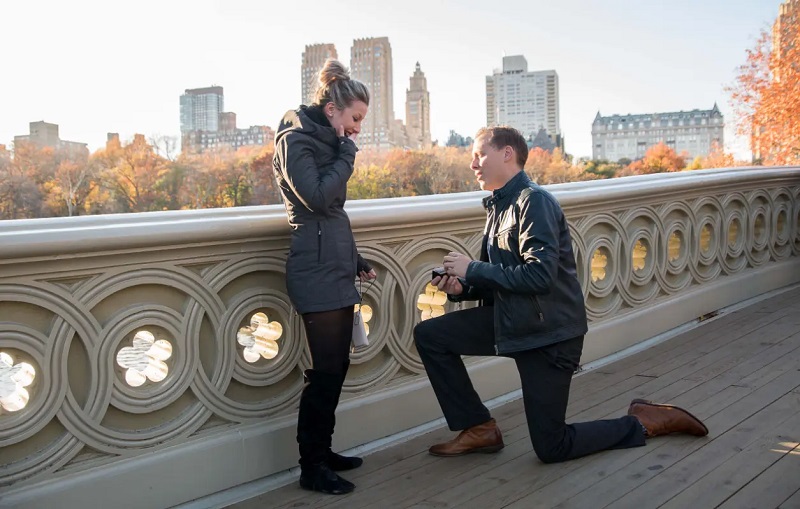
[329, 109]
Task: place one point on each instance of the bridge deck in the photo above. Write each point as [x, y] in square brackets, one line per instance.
[740, 373]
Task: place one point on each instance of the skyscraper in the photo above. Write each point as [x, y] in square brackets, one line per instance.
[200, 109]
[782, 30]
[371, 63]
[418, 110]
[314, 58]
[527, 101]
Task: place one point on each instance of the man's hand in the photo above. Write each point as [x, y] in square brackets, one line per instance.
[449, 285]
[455, 264]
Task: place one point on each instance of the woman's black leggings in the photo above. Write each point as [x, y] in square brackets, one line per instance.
[329, 334]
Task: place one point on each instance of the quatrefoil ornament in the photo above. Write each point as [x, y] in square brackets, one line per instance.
[145, 359]
[431, 303]
[260, 339]
[13, 380]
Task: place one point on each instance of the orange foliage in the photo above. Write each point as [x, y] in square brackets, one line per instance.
[658, 159]
[551, 168]
[766, 94]
[718, 158]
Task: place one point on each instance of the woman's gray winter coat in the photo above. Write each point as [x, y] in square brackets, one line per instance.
[312, 165]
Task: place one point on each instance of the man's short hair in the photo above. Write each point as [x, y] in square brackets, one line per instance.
[503, 136]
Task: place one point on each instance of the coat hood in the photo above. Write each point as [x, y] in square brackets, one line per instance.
[300, 121]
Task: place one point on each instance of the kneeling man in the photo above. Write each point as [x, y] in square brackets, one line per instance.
[532, 310]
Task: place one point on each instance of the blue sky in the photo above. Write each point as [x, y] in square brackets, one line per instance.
[96, 67]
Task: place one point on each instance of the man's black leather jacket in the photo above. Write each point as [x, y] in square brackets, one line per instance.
[527, 269]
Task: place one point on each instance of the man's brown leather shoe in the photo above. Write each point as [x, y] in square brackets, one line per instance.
[665, 419]
[484, 438]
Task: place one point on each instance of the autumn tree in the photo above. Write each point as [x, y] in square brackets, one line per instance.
[561, 170]
[538, 162]
[262, 179]
[131, 173]
[602, 169]
[164, 146]
[766, 93]
[658, 159]
[718, 158]
[23, 180]
[73, 182]
[372, 181]
[553, 167]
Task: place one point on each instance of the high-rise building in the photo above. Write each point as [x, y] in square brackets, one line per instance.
[418, 111]
[629, 136]
[314, 58]
[205, 126]
[200, 109]
[371, 63]
[782, 30]
[45, 134]
[527, 101]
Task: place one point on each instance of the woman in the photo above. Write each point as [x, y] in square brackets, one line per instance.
[314, 154]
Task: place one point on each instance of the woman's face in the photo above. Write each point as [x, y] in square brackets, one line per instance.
[347, 121]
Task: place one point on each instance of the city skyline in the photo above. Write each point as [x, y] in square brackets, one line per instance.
[608, 58]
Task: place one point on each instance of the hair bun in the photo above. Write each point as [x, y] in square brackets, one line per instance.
[332, 70]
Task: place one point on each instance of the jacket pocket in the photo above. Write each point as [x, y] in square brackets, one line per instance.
[507, 239]
[521, 314]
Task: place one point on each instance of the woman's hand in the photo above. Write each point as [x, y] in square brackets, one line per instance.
[340, 131]
[366, 276]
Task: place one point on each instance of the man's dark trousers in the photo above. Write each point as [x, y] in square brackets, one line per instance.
[545, 374]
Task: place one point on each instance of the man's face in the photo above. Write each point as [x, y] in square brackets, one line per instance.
[488, 164]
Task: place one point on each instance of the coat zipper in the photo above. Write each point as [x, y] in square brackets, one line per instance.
[538, 308]
[319, 243]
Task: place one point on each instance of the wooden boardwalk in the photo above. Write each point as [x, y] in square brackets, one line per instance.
[740, 373]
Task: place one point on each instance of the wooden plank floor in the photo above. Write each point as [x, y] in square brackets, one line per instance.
[739, 373]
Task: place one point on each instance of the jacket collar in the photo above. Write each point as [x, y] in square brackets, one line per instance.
[301, 121]
[501, 197]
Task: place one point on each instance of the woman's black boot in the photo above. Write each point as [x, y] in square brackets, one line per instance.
[335, 461]
[338, 463]
[321, 478]
[314, 426]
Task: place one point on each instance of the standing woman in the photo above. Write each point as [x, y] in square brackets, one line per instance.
[314, 154]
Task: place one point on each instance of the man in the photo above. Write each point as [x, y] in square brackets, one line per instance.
[532, 311]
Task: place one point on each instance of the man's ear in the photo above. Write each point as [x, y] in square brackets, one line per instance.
[508, 154]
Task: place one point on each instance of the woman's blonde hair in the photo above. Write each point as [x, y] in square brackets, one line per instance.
[336, 86]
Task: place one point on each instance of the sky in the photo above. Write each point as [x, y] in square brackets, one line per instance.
[96, 67]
